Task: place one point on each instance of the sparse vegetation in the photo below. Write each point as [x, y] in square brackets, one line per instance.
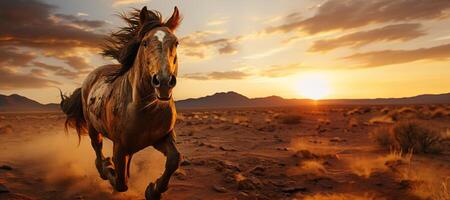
[410, 136]
[417, 137]
[383, 136]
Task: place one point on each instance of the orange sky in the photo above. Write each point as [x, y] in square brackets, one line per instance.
[361, 49]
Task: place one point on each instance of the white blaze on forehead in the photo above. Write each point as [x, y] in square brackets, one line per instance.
[160, 35]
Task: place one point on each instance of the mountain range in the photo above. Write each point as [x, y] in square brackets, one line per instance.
[14, 102]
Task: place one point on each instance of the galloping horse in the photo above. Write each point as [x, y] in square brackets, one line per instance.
[131, 103]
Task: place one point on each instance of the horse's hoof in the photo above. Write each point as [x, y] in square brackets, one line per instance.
[122, 188]
[151, 194]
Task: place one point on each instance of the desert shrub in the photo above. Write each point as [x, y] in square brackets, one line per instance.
[417, 137]
[290, 119]
[410, 136]
[383, 136]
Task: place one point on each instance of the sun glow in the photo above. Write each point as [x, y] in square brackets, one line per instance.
[313, 86]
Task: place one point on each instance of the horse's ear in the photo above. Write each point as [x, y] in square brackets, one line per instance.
[143, 15]
[175, 20]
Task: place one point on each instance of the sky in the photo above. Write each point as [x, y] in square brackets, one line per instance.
[356, 48]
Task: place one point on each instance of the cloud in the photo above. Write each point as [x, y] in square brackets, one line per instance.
[217, 22]
[199, 45]
[10, 57]
[225, 75]
[32, 26]
[390, 57]
[275, 71]
[57, 70]
[82, 14]
[127, 2]
[348, 14]
[77, 62]
[14, 80]
[397, 32]
[74, 20]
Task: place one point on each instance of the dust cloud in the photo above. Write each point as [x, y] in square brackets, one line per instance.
[66, 170]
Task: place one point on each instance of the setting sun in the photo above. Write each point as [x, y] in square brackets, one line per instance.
[313, 86]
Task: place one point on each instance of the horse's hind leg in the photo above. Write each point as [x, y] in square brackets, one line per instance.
[97, 145]
[168, 147]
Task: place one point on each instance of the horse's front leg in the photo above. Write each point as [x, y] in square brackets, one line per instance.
[117, 174]
[167, 146]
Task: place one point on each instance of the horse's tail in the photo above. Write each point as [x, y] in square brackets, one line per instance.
[73, 108]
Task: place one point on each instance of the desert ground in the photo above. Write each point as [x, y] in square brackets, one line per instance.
[315, 152]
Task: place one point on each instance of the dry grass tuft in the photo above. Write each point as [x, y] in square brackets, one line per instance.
[383, 119]
[366, 166]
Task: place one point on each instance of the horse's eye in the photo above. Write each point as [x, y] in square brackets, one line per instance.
[176, 44]
[144, 43]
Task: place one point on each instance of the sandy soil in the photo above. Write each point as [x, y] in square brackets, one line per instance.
[315, 152]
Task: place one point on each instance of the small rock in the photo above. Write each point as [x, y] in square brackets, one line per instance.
[180, 174]
[226, 149]
[246, 184]
[3, 189]
[337, 139]
[294, 189]
[305, 154]
[258, 170]
[220, 189]
[282, 149]
[185, 162]
[6, 167]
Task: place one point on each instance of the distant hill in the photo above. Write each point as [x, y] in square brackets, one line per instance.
[14, 102]
[233, 99]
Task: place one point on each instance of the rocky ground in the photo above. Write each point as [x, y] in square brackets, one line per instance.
[311, 152]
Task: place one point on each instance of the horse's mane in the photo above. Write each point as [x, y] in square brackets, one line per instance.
[123, 45]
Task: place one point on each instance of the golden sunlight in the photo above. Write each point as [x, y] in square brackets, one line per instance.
[313, 86]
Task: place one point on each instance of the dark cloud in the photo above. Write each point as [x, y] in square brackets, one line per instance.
[13, 80]
[198, 45]
[390, 57]
[29, 23]
[347, 14]
[399, 32]
[32, 26]
[226, 75]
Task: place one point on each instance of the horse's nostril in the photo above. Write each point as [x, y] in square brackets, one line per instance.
[155, 81]
[172, 81]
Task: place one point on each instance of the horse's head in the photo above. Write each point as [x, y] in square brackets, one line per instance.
[158, 53]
